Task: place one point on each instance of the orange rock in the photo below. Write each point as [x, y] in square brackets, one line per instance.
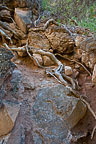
[6, 123]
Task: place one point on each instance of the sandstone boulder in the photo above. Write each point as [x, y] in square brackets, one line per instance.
[23, 17]
[60, 39]
[6, 123]
[38, 40]
[88, 48]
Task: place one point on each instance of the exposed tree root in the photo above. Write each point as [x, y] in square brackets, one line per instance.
[92, 134]
[2, 7]
[75, 62]
[4, 35]
[7, 27]
[58, 73]
[48, 23]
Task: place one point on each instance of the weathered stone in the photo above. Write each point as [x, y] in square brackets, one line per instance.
[68, 70]
[60, 39]
[5, 15]
[79, 39]
[6, 123]
[22, 131]
[22, 3]
[38, 40]
[94, 74]
[22, 54]
[20, 33]
[23, 17]
[6, 66]
[28, 85]
[89, 52]
[47, 61]
[17, 87]
[89, 59]
[86, 50]
[53, 113]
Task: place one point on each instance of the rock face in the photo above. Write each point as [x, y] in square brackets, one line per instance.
[60, 39]
[6, 123]
[53, 113]
[6, 67]
[23, 17]
[22, 131]
[87, 51]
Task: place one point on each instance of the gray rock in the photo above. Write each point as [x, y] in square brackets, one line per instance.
[54, 113]
[22, 131]
[6, 67]
[16, 83]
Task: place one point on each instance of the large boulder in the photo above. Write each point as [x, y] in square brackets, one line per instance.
[86, 50]
[89, 52]
[61, 41]
[38, 40]
[23, 18]
[54, 112]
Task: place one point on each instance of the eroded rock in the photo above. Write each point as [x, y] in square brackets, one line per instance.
[60, 39]
[87, 51]
[6, 67]
[22, 131]
[53, 113]
[23, 17]
[38, 40]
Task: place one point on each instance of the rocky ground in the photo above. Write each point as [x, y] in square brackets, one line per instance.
[36, 104]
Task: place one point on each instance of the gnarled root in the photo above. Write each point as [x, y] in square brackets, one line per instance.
[7, 27]
[4, 35]
[58, 73]
[48, 23]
